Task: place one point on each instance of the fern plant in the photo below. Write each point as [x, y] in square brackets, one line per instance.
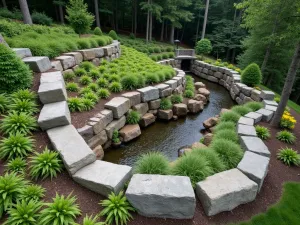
[4, 103]
[116, 209]
[24, 94]
[16, 165]
[33, 192]
[24, 105]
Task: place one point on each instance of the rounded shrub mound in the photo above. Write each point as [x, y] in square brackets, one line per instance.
[113, 35]
[262, 132]
[230, 135]
[251, 75]
[14, 74]
[129, 82]
[254, 106]
[98, 31]
[286, 136]
[176, 99]
[165, 103]
[229, 125]
[230, 117]
[241, 109]
[152, 163]
[229, 152]
[203, 47]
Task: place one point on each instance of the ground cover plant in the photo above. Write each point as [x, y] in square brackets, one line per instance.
[289, 156]
[286, 136]
[262, 132]
[152, 163]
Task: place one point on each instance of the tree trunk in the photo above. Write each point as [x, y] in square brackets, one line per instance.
[148, 22]
[162, 30]
[183, 31]
[166, 30]
[228, 54]
[135, 16]
[172, 34]
[205, 19]
[266, 58]
[97, 13]
[25, 11]
[150, 30]
[288, 85]
[4, 4]
[116, 17]
[197, 31]
[233, 55]
[61, 14]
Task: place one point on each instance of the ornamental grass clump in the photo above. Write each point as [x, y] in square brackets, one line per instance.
[103, 93]
[176, 99]
[227, 125]
[69, 76]
[91, 220]
[165, 104]
[254, 106]
[133, 117]
[286, 136]
[189, 94]
[75, 104]
[92, 96]
[33, 192]
[262, 132]
[152, 163]
[85, 79]
[289, 156]
[98, 31]
[4, 103]
[73, 87]
[229, 135]
[17, 165]
[251, 75]
[241, 109]
[115, 87]
[80, 72]
[88, 104]
[230, 117]
[102, 83]
[25, 106]
[87, 66]
[129, 82]
[152, 78]
[113, 35]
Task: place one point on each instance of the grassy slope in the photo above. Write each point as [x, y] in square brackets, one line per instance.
[286, 212]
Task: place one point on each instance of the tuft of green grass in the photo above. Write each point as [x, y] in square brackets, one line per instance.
[230, 117]
[241, 109]
[286, 136]
[152, 163]
[227, 125]
[133, 117]
[289, 156]
[254, 106]
[17, 165]
[165, 104]
[115, 87]
[176, 99]
[262, 132]
[73, 87]
[230, 135]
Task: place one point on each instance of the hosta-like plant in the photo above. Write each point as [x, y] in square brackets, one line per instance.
[33, 192]
[45, 164]
[25, 106]
[286, 136]
[17, 165]
[62, 211]
[90, 220]
[88, 104]
[4, 103]
[16, 145]
[289, 157]
[116, 209]
[262, 132]
[18, 123]
[24, 95]
[75, 104]
[24, 213]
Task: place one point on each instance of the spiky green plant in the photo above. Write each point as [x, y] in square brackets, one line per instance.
[230, 117]
[254, 106]
[129, 82]
[33, 192]
[93, 86]
[176, 99]
[116, 209]
[87, 66]
[94, 73]
[88, 104]
[92, 96]
[103, 93]
[90, 220]
[152, 163]
[133, 117]
[230, 135]
[84, 91]
[115, 87]
[80, 72]
[262, 132]
[75, 104]
[85, 79]
[188, 94]
[73, 87]
[286, 136]
[69, 76]
[241, 109]
[289, 156]
[165, 104]
[25, 106]
[224, 126]
[4, 103]
[102, 82]
[16, 165]
[24, 94]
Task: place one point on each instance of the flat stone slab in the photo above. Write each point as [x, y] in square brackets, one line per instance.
[255, 167]
[54, 115]
[88, 54]
[115, 125]
[134, 97]
[103, 177]
[50, 77]
[130, 132]
[162, 196]
[172, 84]
[271, 108]
[147, 119]
[77, 56]
[246, 121]
[22, 52]
[149, 93]
[73, 150]
[253, 115]
[52, 92]
[267, 95]
[254, 144]
[268, 102]
[224, 191]
[266, 114]
[38, 64]
[67, 61]
[119, 106]
[246, 130]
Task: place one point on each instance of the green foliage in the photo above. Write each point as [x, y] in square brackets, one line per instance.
[286, 136]
[230, 117]
[5, 13]
[289, 156]
[152, 163]
[241, 109]
[72, 86]
[94, 73]
[88, 104]
[78, 16]
[262, 132]
[69, 76]
[133, 117]
[84, 91]
[251, 75]
[33, 192]
[228, 125]
[16, 165]
[176, 99]
[254, 106]
[229, 152]
[188, 94]
[92, 96]
[152, 78]
[98, 31]
[24, 95]
[87, 66]
[103, 93]
[277, 99]
[165, 104]
[14, 74]
[25, 106]
[4, 103]
[103, 83]
[203, 47]
[16, 145]
[115, 136]
[41, 18]
[113, 35]
[18, 123]
[132, 36]
[80, 71]
[84, 80]
[75, 104]
[93, 86]
[115, 87]
[90, 220]
[62, 211]
[116, 209]
[129, 82]
[230, 135]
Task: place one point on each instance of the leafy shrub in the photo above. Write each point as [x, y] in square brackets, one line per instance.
[73, 87]
[41, 18]
[129, 82]
[289, 156]
[176, 99]
[115, 136]
[230, 117]
[62, 211]
[153, 57]
[225, 126]
[75, 104]
[230, 135]
[16, 165]
[5, 13]
[113, 35]
[84, 91]
[114, 78]
[25, 106]
[203, 47]
[286, 136]
[262, 132]
[103, 93]
[14, 74]
[103, 83]
[241, 109]
[133, 117]
[87, 66]
[94, 73]
[92, 96]
[84, 80]
[165, 104]
[251, 75]
[156, 50]
[165, 56]
[69, 76]
[90, 220]
[93, 87]
[18, 123]
[152, 163]
[33, 192]
[24, 95]
[171, 55]
[254, 106]
[151, 78]
[161, 76]
[193, 166]
[229, 152]
[80, 72]
[277, 99]
[45, 164]
[141, 81]
[4, 103]
[188, 94]
[115, 87]
[131, 36]
[98, 31]
[16, 145]
[88, 104]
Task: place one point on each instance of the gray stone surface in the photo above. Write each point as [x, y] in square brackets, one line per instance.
[255, 95]
[66, 61]
[73, 150]
[52, 92]
[147, 119]
[22, 52]
[161, 87]
[266, 114]
[225, 191]
[195, 106]
[162, 196]
[106, 116]
[103, 177]
[213, 79]
[119, 106]
[254, 144]
[141, 108]
[88, 54]
[255, 167]
[155, 104]
[98, 139]
[246, 121]
[268, 102]
[99, 52]
[199, 85]
[180, 109]
[253, 115]
[130, 132]
[57, 65]
[165, 114]
[97, 124]
[166, 92]
[77, 56]
[149, 93]
[38, 64]
[246, 130]
[86, 132]
[134, 97]
[115, 125]
[172, 84]
[271, 108]
[267, 95]
[54, 115]
[50, 77]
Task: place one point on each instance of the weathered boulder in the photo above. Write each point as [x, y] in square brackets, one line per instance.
[96, 61]
[254, 144]
[245, 130]
[134, 97]
[255, 116]
[99, 52]
[268, 102]
[77, 56]
[201, 98]
[52, 92]
[255, 95]
[155, 104]
[97, 124]
[172, 84]
[223, 110]
[195, 106]
[266, 114]
[38, 64]
[207, 138]
[115, 125]
[166, 92]
[21, 52]
[267, 95]
[66, 61]
[225, 191]
[213, 79]
[162, 87]
[141, 108]
[57, 65]
[165, 114]
[153, 111]
[88, 54]
[180, 109]
[166, 196]
[246, 121]
[147, 119]
[210, 122]
[129, 132]
[98, 139]
[86, 132]
[204, 91]
[99, 152]
[178, 90]
[149, 93]
[119, 106]
[198, 145]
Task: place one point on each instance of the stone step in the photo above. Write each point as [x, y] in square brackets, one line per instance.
[103, 177]
[246, 121]
[266, 114]
[255, 116]
[38, 64]
[67, 61]
[225, 191]
[162, 196]
[52, 92]
[54, 115]
[22, 52]
[254, 144]
[246, 130]
[119, 106]
[73, 150]
[267, 95]
[149, 93]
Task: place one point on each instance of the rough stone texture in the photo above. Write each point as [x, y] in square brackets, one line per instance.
[180, 109]
[38, 64]
[255, 95]
[210, 122]
[129, 132]
[253, 115]
[267, 95]
[223, 110]
[147, 119]
[86, 132]
[96, 61]
[88, 54]
[98, 139]
[162, 196]
[106, 116]
[224, 191]
[246, 121]
[178, 90]
[254, 144]
[73, 150]
[103, 177]
[57, 65]
[66, 61]
[184, 151]
[99, 52]
[200, 97]
[52, 92]
[97, 124]
[246, 130]
[195, 106]
[155, 104]
[54, 115]
[134, 97]
[141, 108]
[153, 111]
[213, 79]
[115, 125]
[161, 87]
[268, 102]
[119, 106]
[22, 52]
[77, 56]
[271, 108]
[204, 92]
[266, 114]
[149, 93]
[108, 50]
[165, 93]
[199, 85]
[99, 152]
[51, 77]
[172, 84]
[207, 138]
[198, 145]
[165, 114]
[255, 167]
[178, 79]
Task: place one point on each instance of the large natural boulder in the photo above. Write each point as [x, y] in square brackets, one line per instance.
[147, 119]
[180, 109]
[202, 98]
[199, 85]
[119, 106]
[204, 91]
[165, 114]
[66, 61]
[155, 104]
[195, 106]
[52, 92]
[88, 54]
[129, 132]
[207, 139]
[77, 56]
[210, 122]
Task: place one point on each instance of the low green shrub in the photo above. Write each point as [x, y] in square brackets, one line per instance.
[152, 78]
[80, 72]
[254, 106]
[87, 66]
[229, 135]
[165, 56]
[84, 91]
[75, 104]
[94, 73]
[171, 55]
[25, 106]
[225, 126]
[188, 94]
[241, 109]
[103, 93]
[69, 76]
[93, 87]
[176, 98]
[41, 18]
[152, 163]
[88, 104]
[115, 87]
[16, 165]
[114, 78]
[251, 75]
[165, 104]
[72, 86]
[289, 156]
[153, 57]
[286, 136]
[24, 94]
[102, 83]
[4, 103]
[85, 80]
[98, 31]
[33, 192]
[277, 99]
[90, 220]
[161, 76]
[92, 96]
[133, 117]
[262, 132]
[16, 14]
[129, 82]
[230, 117]
[113, 35]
